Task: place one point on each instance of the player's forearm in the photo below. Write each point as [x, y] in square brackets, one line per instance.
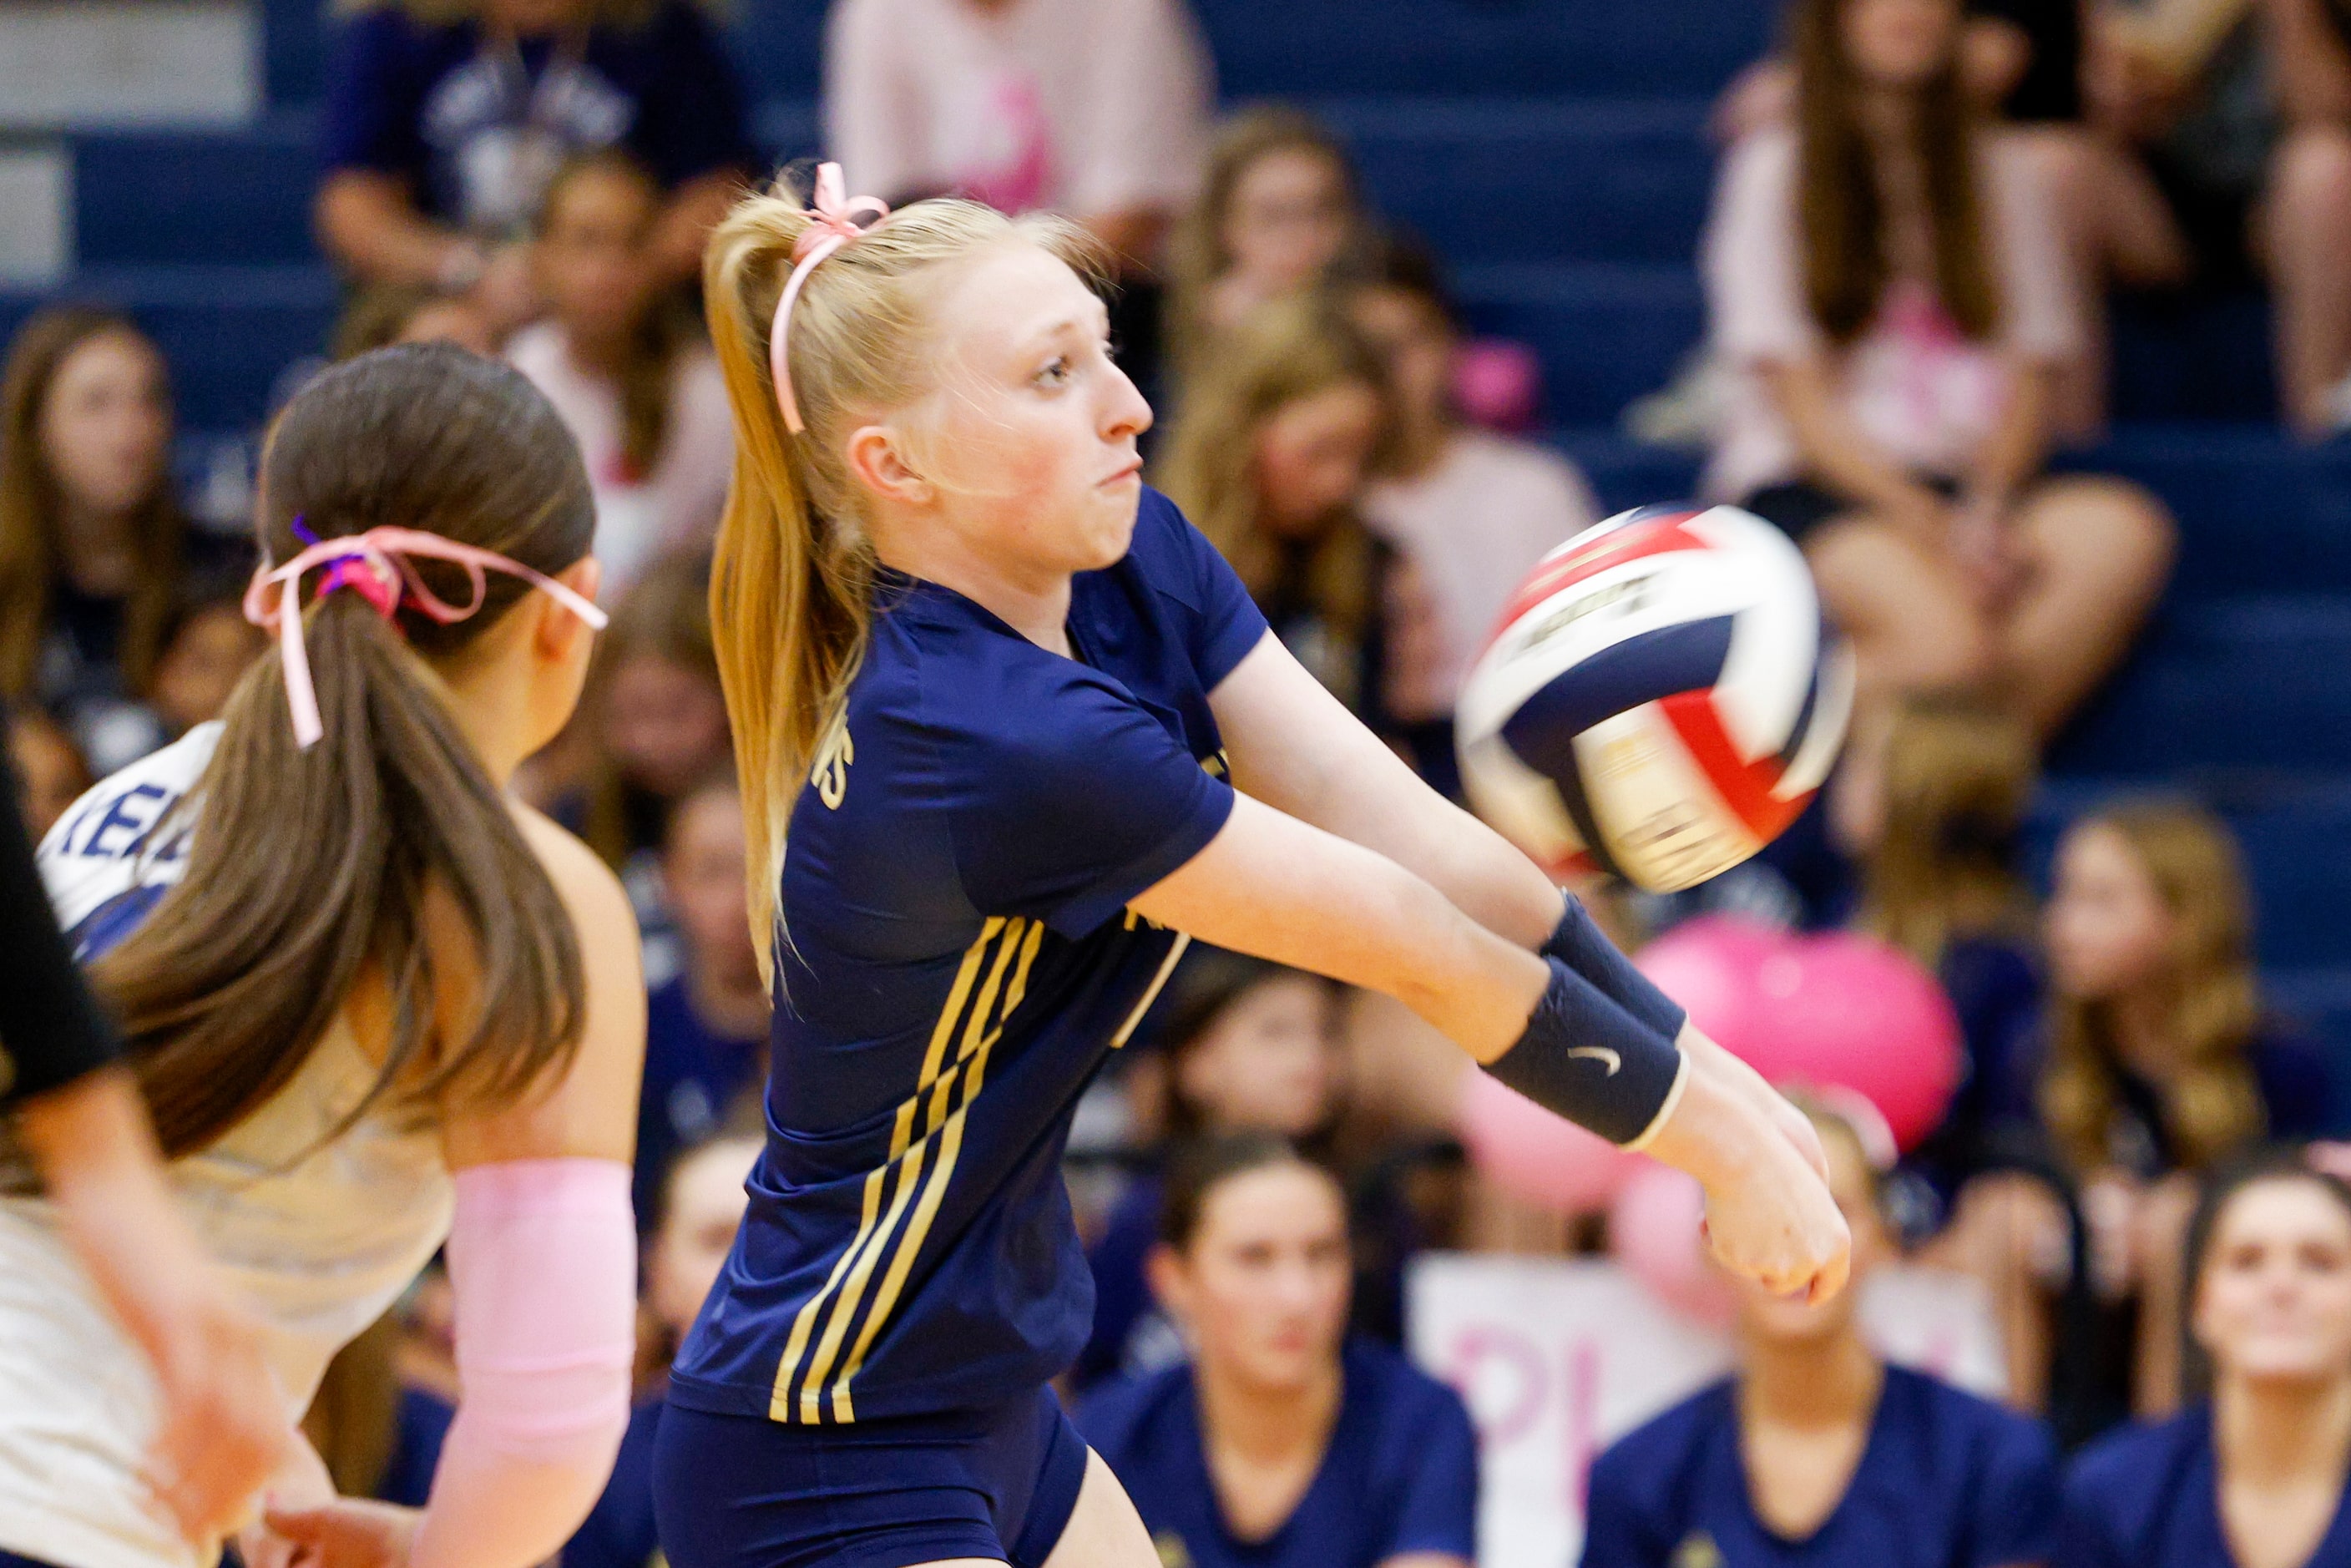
[1297, 749]
[1274, 886]
[97, 1160]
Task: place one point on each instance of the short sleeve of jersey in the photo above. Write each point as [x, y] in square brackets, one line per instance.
[1222, 623]
[1070, 798]
[2016, 1504]
[1440, 1501]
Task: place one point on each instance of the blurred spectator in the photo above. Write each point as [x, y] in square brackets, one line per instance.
[94, 546]
[445, 119]
[2185, 83]
[2160, 1063]
[1268, 457]
[2260, 1474]
[1468, 512]
[1239, 1045]
[624, 360]
[1095, 109]
[1278, 208]
[383, 314]
[2027, 58]
[2309, 216]
[208, 644]
[655, 721]
[1940, 881]
[1892, 291]
[2023, 61]
[706, 1029]
[688, 1237]
[1282, 1444]
[1817, 1452]
[50, 769]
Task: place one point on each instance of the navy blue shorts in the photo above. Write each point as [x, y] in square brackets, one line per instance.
[734, 1492]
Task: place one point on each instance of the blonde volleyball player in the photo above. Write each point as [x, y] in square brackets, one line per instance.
[373, 1003]
[1029, 736]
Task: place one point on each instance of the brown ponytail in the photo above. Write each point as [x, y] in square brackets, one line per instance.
[1842, 218]
[310, 868]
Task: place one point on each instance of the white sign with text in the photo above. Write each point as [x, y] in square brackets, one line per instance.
[1558, 1357]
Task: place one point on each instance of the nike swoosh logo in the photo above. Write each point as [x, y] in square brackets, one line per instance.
[1598, 1053]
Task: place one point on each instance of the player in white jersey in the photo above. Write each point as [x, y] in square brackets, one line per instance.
[371, 1001]
[218, 1427]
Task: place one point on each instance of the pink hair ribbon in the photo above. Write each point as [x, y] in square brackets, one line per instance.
[832, 223]
[377, 565]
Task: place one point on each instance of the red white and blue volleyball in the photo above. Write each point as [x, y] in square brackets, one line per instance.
[1661, 699]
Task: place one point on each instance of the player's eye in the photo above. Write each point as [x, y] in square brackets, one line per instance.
[1056, 371]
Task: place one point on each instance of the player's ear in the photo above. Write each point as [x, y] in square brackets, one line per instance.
[877, 459]
[558, 627]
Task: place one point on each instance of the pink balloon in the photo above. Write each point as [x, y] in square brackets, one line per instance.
[1708, 965]
[1845, 1008]
[1654, 1236]
[1535, 1156]
[1834, 1008]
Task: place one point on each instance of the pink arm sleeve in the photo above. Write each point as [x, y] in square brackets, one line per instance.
[542, 1256]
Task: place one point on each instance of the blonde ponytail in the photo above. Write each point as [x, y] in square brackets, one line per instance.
[792, 580]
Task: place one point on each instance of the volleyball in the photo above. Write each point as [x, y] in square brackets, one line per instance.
[1661, 699]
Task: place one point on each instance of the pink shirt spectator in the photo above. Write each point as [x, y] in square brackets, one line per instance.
[1470, 528]
[1912, 381]
[1086, 107]
[676, 506]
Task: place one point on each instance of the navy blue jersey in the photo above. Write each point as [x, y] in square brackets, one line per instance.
[1400, 1474]
[1946, 1480]
[955, 960]
[2149, 1496]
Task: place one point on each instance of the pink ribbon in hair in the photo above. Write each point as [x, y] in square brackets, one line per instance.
[377, 565]
[832, 223]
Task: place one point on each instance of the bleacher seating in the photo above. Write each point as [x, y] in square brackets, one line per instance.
[1553, 150]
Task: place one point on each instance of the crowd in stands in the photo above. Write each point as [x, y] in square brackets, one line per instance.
[1922, 209]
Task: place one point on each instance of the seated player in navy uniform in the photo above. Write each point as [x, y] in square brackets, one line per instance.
[2255, 1476]
[1817, 1454]
[1284, 1443]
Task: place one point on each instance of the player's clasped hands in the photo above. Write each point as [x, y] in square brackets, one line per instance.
[1768, 1213]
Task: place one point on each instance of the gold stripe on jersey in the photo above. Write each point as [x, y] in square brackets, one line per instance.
[779, 1405]
[973, 1052]
[910, 1173]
